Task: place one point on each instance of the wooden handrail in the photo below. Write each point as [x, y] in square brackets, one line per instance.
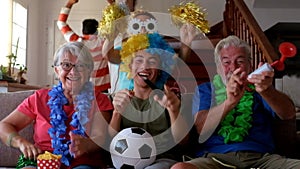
[239, 21]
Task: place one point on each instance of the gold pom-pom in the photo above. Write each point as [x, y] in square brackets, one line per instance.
[189, 13]
[112, 22]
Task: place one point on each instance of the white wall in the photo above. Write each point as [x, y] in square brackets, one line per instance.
[267, 17]
[43, 37]
[287, 85]
[213, 8]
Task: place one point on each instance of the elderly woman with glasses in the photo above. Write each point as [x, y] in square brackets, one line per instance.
[69, 119]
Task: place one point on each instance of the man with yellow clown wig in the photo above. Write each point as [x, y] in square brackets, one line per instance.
[147, 57]
[153, 44]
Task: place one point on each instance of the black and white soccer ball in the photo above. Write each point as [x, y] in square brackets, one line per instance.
[132, 148]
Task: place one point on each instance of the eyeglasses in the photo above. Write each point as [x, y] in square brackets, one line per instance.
[67, 66]
[135, 25]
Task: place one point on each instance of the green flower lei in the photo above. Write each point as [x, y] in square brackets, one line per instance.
[238, 121]
[25, 162]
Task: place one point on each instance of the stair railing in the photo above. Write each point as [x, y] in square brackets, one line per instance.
[239, 21]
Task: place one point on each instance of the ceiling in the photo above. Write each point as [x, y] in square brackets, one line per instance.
[276, 3]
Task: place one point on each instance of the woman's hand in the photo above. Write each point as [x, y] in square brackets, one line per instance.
[9, 127]
[29, 150]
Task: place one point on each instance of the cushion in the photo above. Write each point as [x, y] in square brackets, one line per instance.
[8, 102]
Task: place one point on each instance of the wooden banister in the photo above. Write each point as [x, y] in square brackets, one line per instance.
[239, 21]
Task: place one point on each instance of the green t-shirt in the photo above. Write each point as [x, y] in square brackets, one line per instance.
[151, 116]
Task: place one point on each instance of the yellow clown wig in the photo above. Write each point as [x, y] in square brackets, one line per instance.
[154, 44]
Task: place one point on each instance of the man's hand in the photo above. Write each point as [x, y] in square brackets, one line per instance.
[70, 3]
[122, 99]
[80, 145]
[262, 81]
[73, 1]
[110, 1]
[188, 32]
[236, 86]
[169, 100]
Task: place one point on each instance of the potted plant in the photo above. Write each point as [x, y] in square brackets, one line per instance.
[22, 70]
[9, 71]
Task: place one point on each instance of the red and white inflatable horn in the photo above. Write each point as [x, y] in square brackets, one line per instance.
[287, 50]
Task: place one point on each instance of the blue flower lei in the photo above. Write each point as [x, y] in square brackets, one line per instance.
[58, 117]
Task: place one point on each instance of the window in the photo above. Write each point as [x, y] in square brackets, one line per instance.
[14, 31]
[5, 29]
[19, 32]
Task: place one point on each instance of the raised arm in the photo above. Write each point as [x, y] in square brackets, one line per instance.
[112, 55]
[278, 101]
[179, 126]
[120, 102]
[62, 25]
[188, 32]
[206, 121]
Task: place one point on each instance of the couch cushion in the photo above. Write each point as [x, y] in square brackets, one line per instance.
[8, 102]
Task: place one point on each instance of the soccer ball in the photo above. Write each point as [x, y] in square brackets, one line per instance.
[132, 148]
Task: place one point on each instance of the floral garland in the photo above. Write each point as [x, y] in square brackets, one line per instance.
[237, 122]
[58, 118]
[24, 162]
